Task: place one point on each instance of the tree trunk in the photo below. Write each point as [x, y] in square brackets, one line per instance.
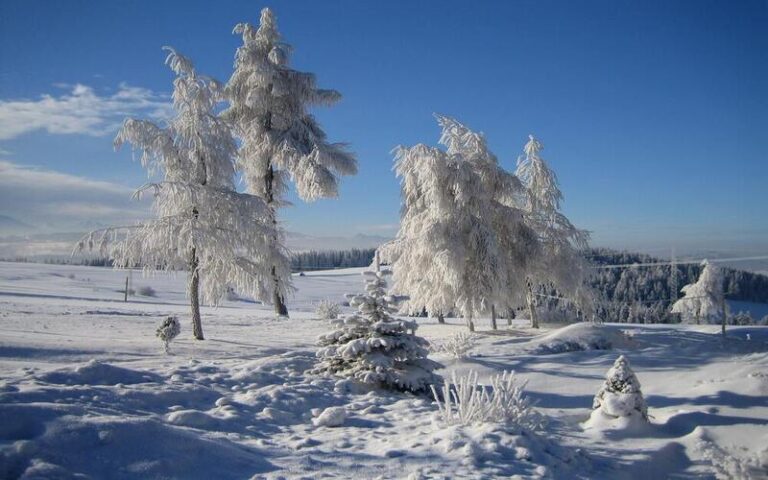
[725, 316]
[470, 323]
[532, 307]
[493, 318]
[194, 295]
[269, 179]
[510, 316]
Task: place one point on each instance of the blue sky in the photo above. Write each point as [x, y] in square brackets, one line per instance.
[653, 113]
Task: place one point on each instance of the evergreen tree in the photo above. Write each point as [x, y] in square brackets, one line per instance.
[375, 348]
[280, 139]
[620, 395]
[703, 300]
[202, 223]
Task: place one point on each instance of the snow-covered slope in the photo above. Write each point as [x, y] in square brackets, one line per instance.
[85, 389]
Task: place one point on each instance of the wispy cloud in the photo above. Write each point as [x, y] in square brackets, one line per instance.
[80, 110]
[55, 201]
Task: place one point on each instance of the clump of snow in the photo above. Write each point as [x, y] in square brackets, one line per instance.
[373, 347]
[458, 345]
[619, 398]
[327, 310]
[579, 337]
[331, 417]
[167, 331]
[465, 402]
[728, 465]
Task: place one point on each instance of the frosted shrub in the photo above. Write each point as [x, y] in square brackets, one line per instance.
[327, 310]
[458, 345]
[728, 465]
[464, 402]
[374, 348]
[147, 291]
[167, 331]
[620, 395]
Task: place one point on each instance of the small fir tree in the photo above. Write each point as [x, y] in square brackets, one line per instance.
[374, 348]
[620, 395]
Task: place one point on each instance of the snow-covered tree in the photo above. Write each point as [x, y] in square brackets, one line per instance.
[620, 395]
[202, 225]
[561, 264]
[373, 347]
[167, 331]
[280, 141]
[703, 300]
[463, 243]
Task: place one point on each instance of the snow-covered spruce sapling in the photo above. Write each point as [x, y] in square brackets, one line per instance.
[620, 396]
[327, 310]
[202, 224]
[463, 241]
[704, 300]
[167, 331]
[280, 141]
[560, 263]
[374, 348]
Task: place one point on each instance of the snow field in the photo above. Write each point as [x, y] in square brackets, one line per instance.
[86, 390]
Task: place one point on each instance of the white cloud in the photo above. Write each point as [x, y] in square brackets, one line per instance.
[49, 201]
[80, 111]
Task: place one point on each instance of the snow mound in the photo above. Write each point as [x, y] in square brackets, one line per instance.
[331, 417]
[579, 337]
[98, 373]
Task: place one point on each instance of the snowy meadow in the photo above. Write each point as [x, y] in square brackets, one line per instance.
[87, 391]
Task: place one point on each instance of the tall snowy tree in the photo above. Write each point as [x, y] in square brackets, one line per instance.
[375, 348]
[202, 225]
[704, 299]
[280, 141]
[462, 242]
[561, 265]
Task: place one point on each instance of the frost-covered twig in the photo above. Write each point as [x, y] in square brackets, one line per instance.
[327, 310]
[458, 345]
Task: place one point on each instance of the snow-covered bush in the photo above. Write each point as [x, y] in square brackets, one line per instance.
[465, 402]
[167, 331]
[147, 291]
[458, 345]
[620, 395]
[703, 300]
[327, 310]
[374, 348]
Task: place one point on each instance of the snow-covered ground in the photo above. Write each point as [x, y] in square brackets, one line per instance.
[85, 389]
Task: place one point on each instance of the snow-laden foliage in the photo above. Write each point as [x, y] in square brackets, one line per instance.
[561, 264]
[202, 224]
[620, 395]
[458, 345]
[729, 465]
[167, 331]
[279, 139]
[463, 244]
[465, 402]
[702, 300]
[373, 347]
[327, 310]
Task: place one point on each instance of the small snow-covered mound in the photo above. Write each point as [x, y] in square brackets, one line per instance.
[578, 337]
[331, 417]
[98, 373]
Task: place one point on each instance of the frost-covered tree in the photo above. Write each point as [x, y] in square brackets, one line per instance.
[202, 224]
[463, 244]
[561, 263]
[373, 347]
[280, 141]
[703, 300]
[167, 331]
[620, 395]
